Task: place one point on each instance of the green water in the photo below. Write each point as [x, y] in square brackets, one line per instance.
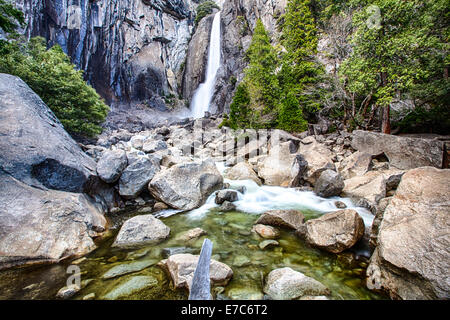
[234, 245]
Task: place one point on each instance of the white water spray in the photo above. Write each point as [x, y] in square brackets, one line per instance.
[203, 95]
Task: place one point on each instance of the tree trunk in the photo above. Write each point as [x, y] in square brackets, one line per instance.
[386, 123]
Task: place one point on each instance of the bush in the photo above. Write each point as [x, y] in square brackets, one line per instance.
[204, 9]
[54, 78]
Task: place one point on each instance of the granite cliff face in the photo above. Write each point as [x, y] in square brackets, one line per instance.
[130, 50]
[143, 51]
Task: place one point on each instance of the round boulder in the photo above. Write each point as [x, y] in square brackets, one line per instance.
[329, 184]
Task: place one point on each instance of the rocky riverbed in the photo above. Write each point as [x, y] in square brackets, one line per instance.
[303, 216]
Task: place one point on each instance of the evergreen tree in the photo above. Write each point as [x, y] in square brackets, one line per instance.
[240, 111]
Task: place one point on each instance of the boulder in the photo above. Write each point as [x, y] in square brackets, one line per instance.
[199, 180]
[291, 219]
[335, 231]
[226, 195]
[287, 284]
[141, 230]
[411, 260]
[151, 146]
[242, 171]
[358, 164]
[44, 216]
[267, 232]
[329, 184]
[136, 176]
[275, 169]
[371, 187]
[318, 157]
[402, 152]
[111, 165]
[181, 269]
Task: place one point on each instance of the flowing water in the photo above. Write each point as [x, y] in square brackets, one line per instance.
[234, 244]
[203, 95]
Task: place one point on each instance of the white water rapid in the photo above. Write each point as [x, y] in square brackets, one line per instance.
[203, 95]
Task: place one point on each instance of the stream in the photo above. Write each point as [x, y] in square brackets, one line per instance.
[234, 245]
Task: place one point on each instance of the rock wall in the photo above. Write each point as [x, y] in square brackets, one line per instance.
[131, 50]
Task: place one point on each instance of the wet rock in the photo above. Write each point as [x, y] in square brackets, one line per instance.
[131, 286]
[226, 195]
[292, 219]
[136, 176]
[245, 294]
[199, 181]
[267, 244]
[160, 206]
[141, 230]
[68, 291]
[90, 296]
[340, 205]
[126, 268]
[267, 232]
[227, 206]
[402, 152]
[287, 284]
[111, 165]
[335, 231]
[167, 252]
[241, 261]
[329, 184]
[243, 171]
[181, 269]
[191, 234]
[411, 258]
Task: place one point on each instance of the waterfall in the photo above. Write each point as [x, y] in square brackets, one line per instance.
[203, 95]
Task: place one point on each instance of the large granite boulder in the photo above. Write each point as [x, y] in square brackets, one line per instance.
[335, 231]
[242, 171]
[186, 186]
[111, 165]
[411, 260]
[141, 230]
[44, 217]
[318, 157]
[287, 284]
[358, 164]
[275, 169]
[291, 219]
[136, 176]
[329, 184]
[370, 187]
[402, 152]
[181, 268]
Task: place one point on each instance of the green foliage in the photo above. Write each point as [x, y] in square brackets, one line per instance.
[10, 17]
[204, 9]
[54, 78]
[240, 112]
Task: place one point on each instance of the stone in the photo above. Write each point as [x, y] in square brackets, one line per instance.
[90, 296]
[131, 286]
[225, 195]
[340, 205]
[267, 244]
[227, 206]
[167, 252]
[411, 257]
[329, 184]
[241, 261]
[243, 171]
[237, 293]
[68, 291]
[191, 234]
[358, 164]
[127, 268]
[136, 176]
[111, 165]
[287, 284]
[199, 181]
[402, 152]
[370, 187]
[141, 230]
[153, 146]
[267, 232]
[291, 219]
[181, 269]
[275, 169]
[335, 231]
[160, 206]
[382, 205]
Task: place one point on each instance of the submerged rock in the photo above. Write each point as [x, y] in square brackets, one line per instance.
[141, 230]
[131, 286]
[287, 284]
[126, 268]
[411, 260]
[191, 234]
[68, 292]
[227, 206]
[268, 243]
[335, 231]
[266, 232]
[186, 186]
